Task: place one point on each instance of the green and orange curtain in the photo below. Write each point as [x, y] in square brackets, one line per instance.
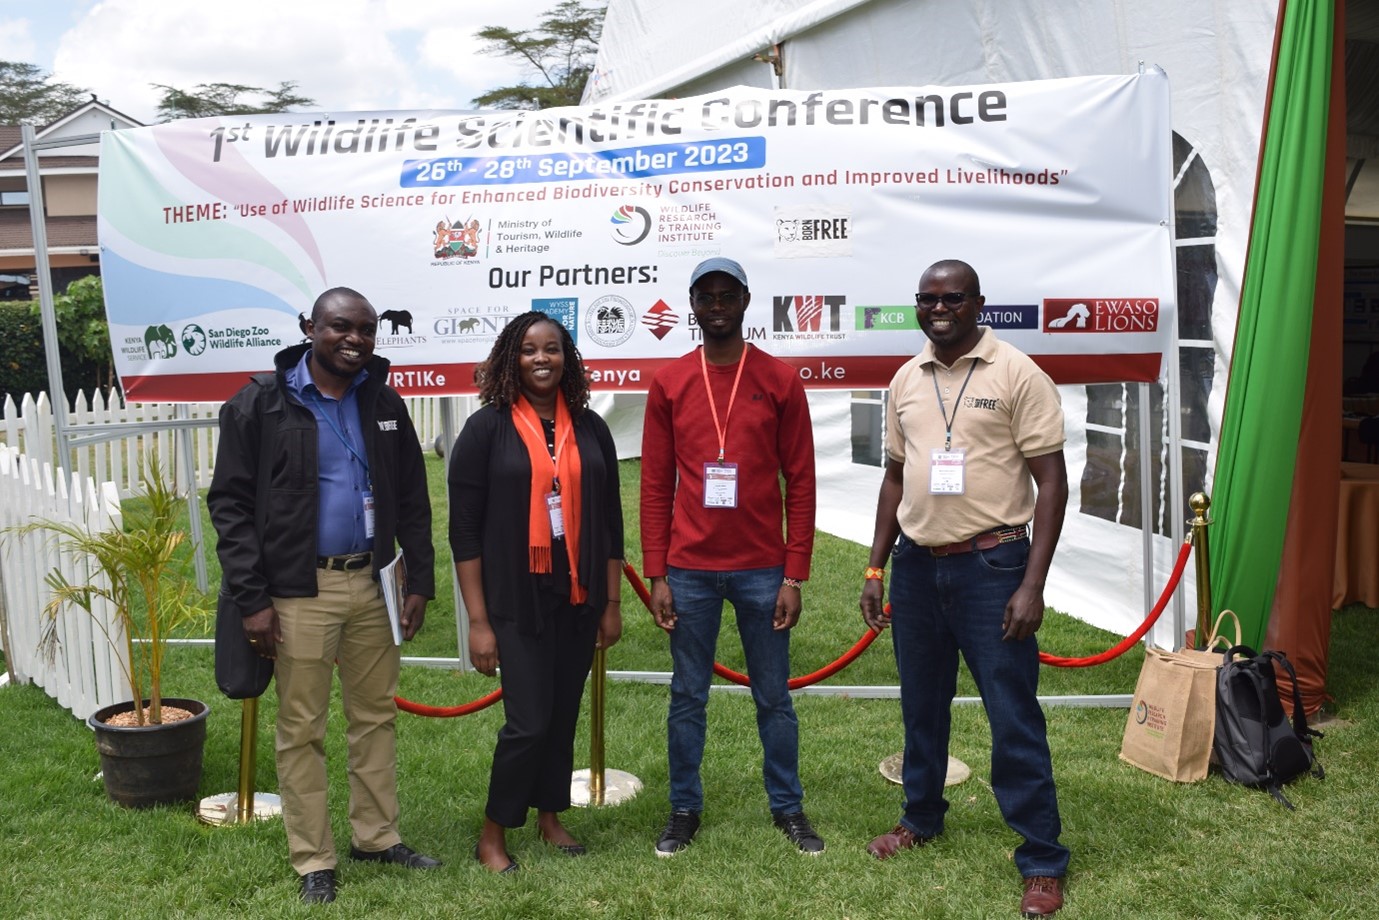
[1272, 544]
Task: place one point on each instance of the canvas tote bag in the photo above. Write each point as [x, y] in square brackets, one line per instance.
[1172, 716]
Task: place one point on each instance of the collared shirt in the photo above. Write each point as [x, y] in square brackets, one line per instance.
[342, 471]
[1008, 411]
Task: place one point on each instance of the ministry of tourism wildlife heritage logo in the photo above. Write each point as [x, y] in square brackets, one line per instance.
[610, 321]
[457, 240]
[631, 224]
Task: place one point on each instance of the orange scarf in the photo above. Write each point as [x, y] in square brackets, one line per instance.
[567, 469]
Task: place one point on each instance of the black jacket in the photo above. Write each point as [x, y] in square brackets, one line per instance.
[263, 496]
[490, 491]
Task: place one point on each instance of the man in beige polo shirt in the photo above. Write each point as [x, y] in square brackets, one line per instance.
[974, 445]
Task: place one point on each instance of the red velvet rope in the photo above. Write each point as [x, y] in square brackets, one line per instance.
[1129, 641]
[796, 683]
[848, 657]
[446, 712]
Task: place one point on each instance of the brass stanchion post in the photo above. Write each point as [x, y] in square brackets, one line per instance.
[1200, 503]
[245, 805]
[597, 785]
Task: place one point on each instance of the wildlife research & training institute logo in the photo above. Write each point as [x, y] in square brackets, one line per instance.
[631, 224]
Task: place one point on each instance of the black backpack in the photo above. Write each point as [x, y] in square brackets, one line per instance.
[1255, 744]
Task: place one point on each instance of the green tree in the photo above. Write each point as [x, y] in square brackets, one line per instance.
[209, 99]
[30, 96]
[560, 52]
[82, 330]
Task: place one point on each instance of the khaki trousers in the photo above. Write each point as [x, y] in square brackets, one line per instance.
[346, 624]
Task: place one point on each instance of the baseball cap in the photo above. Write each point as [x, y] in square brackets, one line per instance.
[719, 264]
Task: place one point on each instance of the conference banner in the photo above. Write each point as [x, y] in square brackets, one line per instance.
[218, 234]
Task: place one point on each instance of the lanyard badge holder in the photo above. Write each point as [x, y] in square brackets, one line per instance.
[720, 477]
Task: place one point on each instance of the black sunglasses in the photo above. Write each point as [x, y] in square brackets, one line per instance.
[951, 299]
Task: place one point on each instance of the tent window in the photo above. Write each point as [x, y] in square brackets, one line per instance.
[868, 427]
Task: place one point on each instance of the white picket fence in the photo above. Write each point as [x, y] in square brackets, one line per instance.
[83, 670]
[29, 427]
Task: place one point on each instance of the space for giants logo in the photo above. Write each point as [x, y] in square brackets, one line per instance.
[808, 315]
[1130, 314]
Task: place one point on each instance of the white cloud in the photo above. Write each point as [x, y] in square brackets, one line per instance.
[17, 41]
[348, 55]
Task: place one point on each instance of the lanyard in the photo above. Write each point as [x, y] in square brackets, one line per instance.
[948, 422]
[325, 414]
[554, 453]
[723, 428]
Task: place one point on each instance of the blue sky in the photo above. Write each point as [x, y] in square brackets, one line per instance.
[349, 55]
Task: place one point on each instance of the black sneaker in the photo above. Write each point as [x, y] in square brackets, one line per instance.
[801, 833]
[680, 830]
[318, 887]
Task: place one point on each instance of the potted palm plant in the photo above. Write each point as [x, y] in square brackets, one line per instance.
[150, 753]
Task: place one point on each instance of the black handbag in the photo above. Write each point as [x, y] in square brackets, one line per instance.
[240, 672]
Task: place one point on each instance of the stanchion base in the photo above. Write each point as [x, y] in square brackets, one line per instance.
[223, 809]
[957, 770]
[618, 787]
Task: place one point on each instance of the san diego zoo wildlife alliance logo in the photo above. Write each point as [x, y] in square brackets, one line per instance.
[631, 224]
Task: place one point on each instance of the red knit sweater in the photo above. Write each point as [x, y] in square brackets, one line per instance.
[768, 435]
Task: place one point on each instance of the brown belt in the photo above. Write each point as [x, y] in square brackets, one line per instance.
[986, 540]
[344, 563]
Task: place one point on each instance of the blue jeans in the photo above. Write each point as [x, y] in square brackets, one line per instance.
[697, 598]
[943, 605]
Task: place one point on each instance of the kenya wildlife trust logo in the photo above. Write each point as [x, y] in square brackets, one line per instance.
[458, 240]
[631, 224]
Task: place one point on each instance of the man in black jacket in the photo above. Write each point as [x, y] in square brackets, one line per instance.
[319, 474]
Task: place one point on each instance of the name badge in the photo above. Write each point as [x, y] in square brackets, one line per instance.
[946, 472]
[368, 514]
[720, 485]
[557, 518]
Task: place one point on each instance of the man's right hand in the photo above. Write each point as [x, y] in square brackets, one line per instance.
[873, 604]
[662, 605]
[483, 648]
[264, 632]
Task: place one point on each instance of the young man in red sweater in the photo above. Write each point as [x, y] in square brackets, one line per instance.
[723, 425]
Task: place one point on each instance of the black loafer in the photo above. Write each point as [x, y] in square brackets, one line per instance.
[399, 854]
[510, 868]
[318, 887]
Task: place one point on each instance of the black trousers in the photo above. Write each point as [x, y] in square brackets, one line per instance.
[543, 679]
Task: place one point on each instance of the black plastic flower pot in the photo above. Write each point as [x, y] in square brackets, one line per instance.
[151, 765]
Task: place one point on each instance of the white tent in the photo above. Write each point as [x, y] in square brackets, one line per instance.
[1217, 56]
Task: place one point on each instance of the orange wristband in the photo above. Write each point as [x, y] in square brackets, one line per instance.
[874, 574]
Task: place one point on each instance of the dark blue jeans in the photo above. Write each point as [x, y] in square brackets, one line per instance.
[698, 602]
[943, 605]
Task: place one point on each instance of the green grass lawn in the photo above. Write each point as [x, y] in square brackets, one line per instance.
[1142, 847]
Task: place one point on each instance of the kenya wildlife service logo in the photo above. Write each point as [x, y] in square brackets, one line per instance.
[631, 224]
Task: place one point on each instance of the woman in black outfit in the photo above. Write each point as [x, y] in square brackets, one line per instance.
[536, 532]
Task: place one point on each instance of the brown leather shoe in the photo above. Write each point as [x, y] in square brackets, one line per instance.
[1043, 896]
[893, 841]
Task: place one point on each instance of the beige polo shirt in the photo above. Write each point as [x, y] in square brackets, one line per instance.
[1008, 411]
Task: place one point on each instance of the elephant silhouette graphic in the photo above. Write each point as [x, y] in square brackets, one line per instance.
[399, 319]
[159, 342]
[468, 325]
